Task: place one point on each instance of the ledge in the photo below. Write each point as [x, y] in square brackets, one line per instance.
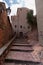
[2, 49]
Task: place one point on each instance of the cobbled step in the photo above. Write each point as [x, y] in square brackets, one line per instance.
[21, 49]
[21, 56]
[24, 43]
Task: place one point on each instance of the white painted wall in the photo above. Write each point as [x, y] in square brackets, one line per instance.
[14, 22]
[39, 10]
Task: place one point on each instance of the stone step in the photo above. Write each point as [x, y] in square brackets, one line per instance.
[21, 57]
[23, 45]
[22, 63]
[9, 63]
[20, 41]
[21, 49]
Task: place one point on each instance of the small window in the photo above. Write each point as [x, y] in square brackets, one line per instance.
[15, 26]
[21, 26]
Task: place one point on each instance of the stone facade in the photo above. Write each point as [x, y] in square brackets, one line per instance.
[14, 23]
[5, 28]
[19, 21]
[39, 10]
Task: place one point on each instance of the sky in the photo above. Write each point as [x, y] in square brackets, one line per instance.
[14, 4]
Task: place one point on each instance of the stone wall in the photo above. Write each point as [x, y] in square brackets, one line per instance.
[19, 22]
[5, 28]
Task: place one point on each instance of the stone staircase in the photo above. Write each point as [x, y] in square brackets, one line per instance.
[21, 53]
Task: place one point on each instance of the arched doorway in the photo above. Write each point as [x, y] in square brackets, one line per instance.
[21, 34]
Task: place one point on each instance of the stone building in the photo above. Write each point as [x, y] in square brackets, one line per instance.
[19, 22]
[39, 10]
[5, 27]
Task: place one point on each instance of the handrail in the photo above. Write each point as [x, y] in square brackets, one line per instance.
[2, 49]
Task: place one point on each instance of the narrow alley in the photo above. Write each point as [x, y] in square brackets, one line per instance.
[21, 39]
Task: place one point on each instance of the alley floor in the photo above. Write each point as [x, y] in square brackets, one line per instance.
[24, 52]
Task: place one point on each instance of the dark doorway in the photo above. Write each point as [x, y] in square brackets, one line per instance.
[21, 34]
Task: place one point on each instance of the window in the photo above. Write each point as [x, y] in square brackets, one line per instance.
[15, 26]
[21, 26]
